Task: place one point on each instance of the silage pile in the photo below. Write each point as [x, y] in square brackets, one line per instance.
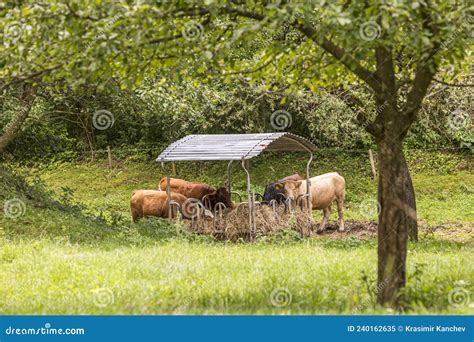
[234, 225]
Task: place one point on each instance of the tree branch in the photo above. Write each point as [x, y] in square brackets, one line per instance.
[341, 55]
[462, 85]
[425, 71]
[386, 72]
[76, 15]
[249, 71]
[359, 108]
[31, 76]
[13, 127]
[337, 52]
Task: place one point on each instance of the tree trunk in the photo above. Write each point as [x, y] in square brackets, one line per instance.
[411, 202]
[394, 220]
[13, 127]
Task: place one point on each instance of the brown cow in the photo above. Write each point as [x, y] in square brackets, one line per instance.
[155, 203]
[198, 190]
[323, 191]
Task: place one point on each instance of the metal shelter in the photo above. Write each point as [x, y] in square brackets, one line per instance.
[232, 147]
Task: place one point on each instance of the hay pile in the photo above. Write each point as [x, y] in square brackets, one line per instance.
[234, 225]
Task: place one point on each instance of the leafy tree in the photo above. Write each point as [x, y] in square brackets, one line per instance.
[388, 50]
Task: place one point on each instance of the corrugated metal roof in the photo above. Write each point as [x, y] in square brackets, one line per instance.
[233, 146]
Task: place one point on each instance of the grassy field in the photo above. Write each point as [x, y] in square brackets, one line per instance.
[79, 254]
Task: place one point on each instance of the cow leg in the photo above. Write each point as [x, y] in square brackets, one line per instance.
[340, 212]
[136, 213]
[324, 222]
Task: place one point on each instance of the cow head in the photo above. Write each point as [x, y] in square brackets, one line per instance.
[267, 195]
[272, 193]
[291, 189]
[220, 195]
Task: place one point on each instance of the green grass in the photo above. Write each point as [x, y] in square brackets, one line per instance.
[178, 276]
[61, 259]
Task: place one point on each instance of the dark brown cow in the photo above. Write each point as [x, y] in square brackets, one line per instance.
[220, 195]
[188, 189]
[155, 203]
[198, 190]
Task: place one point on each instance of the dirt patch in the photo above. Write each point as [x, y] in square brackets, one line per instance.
[458, 232]
[234, 227]
[359, 229]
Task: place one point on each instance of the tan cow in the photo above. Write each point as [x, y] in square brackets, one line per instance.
[155, 203]
[323, 191]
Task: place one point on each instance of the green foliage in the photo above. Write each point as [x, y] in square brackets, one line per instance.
[147, 120]
[438, 163]
[164, 70]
